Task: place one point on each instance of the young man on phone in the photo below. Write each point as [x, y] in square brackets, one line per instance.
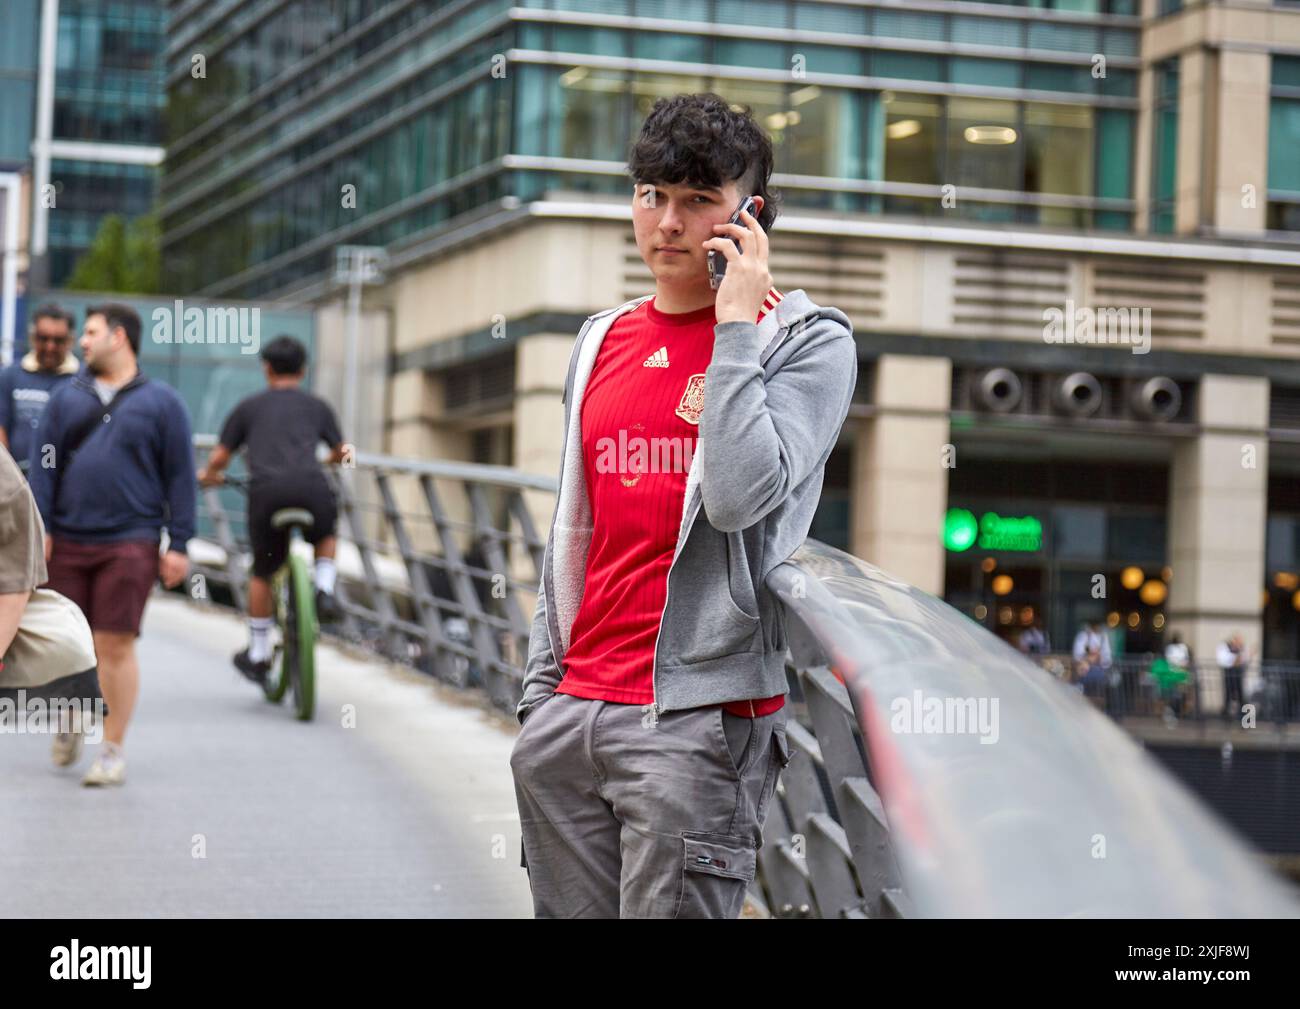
[653, 698]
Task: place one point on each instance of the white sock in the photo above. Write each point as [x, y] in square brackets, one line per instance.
[259, 638]
[325, 574]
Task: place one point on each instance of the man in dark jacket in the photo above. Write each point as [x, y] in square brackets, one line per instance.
[111, 465]
[27, 385]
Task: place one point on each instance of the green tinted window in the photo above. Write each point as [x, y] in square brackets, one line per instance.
[1054, 77]
[1114, 153]
[670, 46]
[1286, 71]
[834, 60]
[744, 53]
[597, 41]
[830, 18]
[909, 66]
[767, 13]
[988, 31]
[990, 73]
[1284, 144]
[1118, 83]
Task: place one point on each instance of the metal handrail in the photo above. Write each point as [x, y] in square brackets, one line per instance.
[1060, 814]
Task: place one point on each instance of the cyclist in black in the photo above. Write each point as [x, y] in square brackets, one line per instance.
[282, 427]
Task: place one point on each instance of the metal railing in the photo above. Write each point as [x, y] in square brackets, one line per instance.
[432, 557]
[1136, 686]
[1005, 792]
[1036, 804]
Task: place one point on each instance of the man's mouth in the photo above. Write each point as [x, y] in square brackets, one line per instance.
[670, 248]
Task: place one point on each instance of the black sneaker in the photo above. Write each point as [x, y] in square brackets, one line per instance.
[328, 610]
[255, 671]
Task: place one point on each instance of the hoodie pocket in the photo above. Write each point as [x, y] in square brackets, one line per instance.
[707, 621]
[740, 582]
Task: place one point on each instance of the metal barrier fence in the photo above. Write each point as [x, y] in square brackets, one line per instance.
[1146, 685]
[934, 771]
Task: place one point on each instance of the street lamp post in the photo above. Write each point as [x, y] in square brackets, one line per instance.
[355, 265]
[10, 188]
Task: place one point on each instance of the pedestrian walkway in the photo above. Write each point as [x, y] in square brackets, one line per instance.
[411, 813]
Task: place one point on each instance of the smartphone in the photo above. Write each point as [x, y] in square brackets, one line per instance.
[717, 261]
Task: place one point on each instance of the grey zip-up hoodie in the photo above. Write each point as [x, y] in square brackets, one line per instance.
[775, 397]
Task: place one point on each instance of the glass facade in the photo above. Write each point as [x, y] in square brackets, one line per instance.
[1284, 145]
[108, 89]
[86, 192]
[18, 81]
[416, 107]
[108, 80]
[1164, 147]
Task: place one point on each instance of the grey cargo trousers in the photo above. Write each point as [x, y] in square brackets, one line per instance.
[625, 816]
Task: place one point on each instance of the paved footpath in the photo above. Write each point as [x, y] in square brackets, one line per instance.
[411, 813]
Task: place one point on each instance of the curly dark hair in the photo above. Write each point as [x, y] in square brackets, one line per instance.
[700, 140]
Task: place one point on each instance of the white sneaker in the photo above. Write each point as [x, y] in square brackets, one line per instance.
[67, 748]
[67, 745]
[109, 768]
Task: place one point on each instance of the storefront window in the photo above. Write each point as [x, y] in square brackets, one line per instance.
[587, 119]
[984, 145]
[826, 133]
[912, 147]
[1055, 137]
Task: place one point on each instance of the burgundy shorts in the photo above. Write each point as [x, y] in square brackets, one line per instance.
[109, 581]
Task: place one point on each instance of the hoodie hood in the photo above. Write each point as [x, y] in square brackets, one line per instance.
[70, 366]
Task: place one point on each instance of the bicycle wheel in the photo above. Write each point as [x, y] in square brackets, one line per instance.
[278, 676]
[302, 619]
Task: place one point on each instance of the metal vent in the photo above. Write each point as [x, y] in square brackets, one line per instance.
[1284, 407]
[1286, 309]
[1006, 294]
[1175, 295]
[845, 272]
[484, 384]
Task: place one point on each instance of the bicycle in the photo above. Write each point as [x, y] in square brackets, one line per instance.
[293, 593]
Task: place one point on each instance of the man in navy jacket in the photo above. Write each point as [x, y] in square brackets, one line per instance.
[111, 465]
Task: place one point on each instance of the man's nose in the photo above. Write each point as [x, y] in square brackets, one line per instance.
[671, 222]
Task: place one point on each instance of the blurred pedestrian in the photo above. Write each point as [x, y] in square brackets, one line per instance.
[1092, 658]
[26, 385]
[1033, 639]
[1172, 682]
[1232, 658]
[47, 653]
[112, 464]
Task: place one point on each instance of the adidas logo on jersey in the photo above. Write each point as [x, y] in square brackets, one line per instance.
[659, 359]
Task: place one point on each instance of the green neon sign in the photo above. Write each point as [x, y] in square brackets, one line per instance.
[991, 531]
[959, 529]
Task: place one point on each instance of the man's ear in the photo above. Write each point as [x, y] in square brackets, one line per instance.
[758, 200]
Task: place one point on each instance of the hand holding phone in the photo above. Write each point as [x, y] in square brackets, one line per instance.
[717, 261]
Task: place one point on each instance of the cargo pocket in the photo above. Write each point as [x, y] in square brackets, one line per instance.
[716, 870]
[780, 759]
[782, 746]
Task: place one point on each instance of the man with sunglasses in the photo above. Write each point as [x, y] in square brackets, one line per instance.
[26, 385]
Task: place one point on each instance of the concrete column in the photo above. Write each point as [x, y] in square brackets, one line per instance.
[900, 481]
[1217, 515]
[541, 364]
[1238, 140]
[1189, 182]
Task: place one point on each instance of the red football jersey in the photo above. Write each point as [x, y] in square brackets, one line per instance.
[647, 384]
